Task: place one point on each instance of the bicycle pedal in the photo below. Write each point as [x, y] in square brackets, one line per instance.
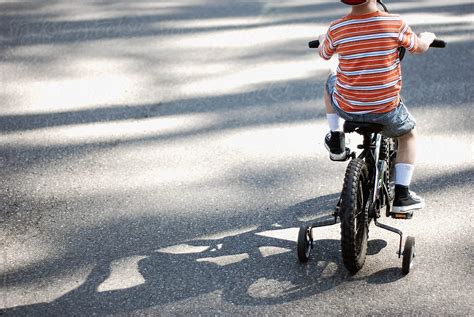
[350, 154]
[347, 155]
[402, 215]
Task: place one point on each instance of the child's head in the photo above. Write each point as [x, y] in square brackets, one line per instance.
[356, 2]
[361, 6]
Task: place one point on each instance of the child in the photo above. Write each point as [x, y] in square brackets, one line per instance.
[367, 85]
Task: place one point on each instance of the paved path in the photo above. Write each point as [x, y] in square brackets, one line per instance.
[158, 157]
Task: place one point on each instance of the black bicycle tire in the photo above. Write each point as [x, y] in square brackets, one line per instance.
[303, 245]
[408, 255]
[354, 247]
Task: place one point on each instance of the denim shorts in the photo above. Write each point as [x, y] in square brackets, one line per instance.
[396, 122]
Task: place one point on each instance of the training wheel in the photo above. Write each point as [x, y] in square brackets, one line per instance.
[305, 243]
[408, 255]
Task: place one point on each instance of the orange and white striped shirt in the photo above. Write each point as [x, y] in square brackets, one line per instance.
[369, 77]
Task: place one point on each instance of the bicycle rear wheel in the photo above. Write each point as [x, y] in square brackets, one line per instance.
[354, 218]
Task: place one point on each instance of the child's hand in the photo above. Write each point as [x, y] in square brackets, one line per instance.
[321, 38]
[427, 37]
[425, 40]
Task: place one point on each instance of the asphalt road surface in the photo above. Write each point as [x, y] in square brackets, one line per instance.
[158, 157]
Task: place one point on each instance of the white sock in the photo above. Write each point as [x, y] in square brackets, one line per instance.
[335, 123]
[403, 174]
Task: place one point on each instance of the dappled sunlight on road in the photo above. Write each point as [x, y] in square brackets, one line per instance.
[225, 259]
[124, 273]
[243, 77]
[226, 234]
[110, 131]
[189, 163]
[183, 249]
[289, 234]
[416, 19]
[45, 289]
[80, 84]
[444, 150]
[142, 140]
[30, 254]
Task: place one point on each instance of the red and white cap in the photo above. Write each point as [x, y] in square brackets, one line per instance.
[354, 2]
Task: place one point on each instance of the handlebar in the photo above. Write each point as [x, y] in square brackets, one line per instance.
[436, 43]
[439, 43]
[313, 44]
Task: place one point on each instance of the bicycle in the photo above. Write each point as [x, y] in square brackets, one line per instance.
[368, 188]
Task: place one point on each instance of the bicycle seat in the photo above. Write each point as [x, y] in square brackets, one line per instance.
[362, 127]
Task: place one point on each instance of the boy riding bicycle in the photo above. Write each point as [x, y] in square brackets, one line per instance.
[366, 87]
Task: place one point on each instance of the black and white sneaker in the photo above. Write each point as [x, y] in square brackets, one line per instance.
[335, 143]
[406, 201]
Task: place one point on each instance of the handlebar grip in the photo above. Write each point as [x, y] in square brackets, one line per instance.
[439, 43]
[313, 44]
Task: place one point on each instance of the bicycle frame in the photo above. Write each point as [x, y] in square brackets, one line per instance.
[371, 155]
[372, 147]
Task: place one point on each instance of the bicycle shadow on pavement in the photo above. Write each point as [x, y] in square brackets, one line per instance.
[254, 267]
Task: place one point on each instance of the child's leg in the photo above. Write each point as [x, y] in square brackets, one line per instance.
[335, 140]
[407, 148]
[327, 102]
[406, 156]
[404, 168]
[334, 121]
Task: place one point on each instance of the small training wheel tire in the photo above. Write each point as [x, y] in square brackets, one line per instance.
[408, 255]
[304, 244]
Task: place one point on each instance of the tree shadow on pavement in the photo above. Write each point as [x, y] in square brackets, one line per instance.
[22, 26]
[256, 267]
[246, 269]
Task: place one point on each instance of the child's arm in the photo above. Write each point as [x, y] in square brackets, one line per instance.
[414, 44]
[326, 48]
